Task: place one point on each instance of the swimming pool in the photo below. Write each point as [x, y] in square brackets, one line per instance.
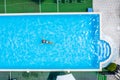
[75, 38]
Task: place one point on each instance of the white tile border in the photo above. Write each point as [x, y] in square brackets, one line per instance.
[51, 13]
[68, 13]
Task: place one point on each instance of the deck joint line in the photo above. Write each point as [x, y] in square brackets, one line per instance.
[40, 6]
[57, 5]
[5, 6]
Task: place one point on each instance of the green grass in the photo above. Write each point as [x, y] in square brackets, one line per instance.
[21, 6]
[75, 7]
[1, 6]
[28, 6]
[48, 1]
[102, 77]
[48, 7]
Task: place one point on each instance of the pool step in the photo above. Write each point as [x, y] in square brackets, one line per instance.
[104, 50]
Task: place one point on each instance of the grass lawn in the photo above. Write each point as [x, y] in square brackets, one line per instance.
[2, 6]
[48, 1]
[31, 6]
[75, 7]
[51, 6]
[48, 7]
[102, 77]
[21, 6]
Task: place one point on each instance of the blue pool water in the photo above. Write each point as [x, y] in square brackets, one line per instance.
[75, 41]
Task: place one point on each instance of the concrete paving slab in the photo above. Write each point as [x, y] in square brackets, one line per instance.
[110, 28]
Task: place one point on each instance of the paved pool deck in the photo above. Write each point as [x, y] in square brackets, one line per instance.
[110, 10]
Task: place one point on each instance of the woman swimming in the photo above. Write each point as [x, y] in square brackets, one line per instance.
[46, 41]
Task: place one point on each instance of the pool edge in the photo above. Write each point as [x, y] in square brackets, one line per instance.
[101, 63]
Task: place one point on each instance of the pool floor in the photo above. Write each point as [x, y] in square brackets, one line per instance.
[74, 42]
